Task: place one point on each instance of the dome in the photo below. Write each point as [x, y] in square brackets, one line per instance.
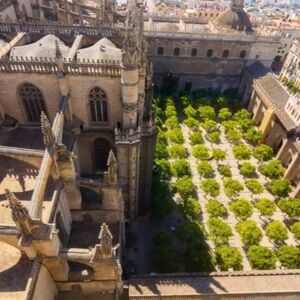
[44, 47]
[233, 19]
[102, 50]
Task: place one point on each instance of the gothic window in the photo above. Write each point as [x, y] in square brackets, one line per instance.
[194, 52]
[101, 152]
[160, 51]
[176, 52]
[33, 102]
[98, 105]
[225, 53]
[209, 52]
[243, 54]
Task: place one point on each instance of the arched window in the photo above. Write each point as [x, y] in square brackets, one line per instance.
[176, 52]
[33, 102]
[98, 105]
[243, 54]
[209, 53]
[101, 152]
[225, 53]
[160, 51]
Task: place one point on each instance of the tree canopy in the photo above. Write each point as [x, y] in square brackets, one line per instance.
[255, 186]
[273, 169]
[190, 207]
[224, 171]
[207, 112]
[219, 154]
[250, 232]
[289, 256]
[215, 208]
[266, 207]
[229, 258]
[196, 138]
[224, 114]
[201, 152]
[211, 187]
[277, 232]
[241, 152]
[261, 258]
[263, 152]
[232, 187]
[247, 169]
[241, 208]
[205, 169]
[180, 168]
[219, 231]
[177, 151]
[290, 206]
[295, 229]
[280, 187]
[184, 186]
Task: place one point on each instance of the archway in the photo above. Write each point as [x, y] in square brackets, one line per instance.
[101, 152]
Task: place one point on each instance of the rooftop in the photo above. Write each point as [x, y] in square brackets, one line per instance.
[20, 177]
[248, 284]
[15, 272]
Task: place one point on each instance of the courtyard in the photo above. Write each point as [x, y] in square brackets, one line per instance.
[224, 190]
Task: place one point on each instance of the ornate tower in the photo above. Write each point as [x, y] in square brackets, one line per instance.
[134, 151]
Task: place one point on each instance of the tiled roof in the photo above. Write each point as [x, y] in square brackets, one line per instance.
[179, 286]
[274, 91]
[257, 70]
[285, 120]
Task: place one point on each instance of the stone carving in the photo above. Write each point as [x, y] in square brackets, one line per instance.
[112, 166]
[129, 107]
[106, 241]
[63, 154]
[19, 214]
[49, 138]
[105, 248]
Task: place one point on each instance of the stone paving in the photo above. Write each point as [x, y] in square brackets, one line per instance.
[235, 240]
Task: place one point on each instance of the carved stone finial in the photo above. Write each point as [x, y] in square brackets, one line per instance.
[49, 138]
[19, 214]
[58, 54]
[112, 163]
[105, 237]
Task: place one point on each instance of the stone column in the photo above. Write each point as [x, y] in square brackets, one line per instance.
[266, 122]
[293, 167]
[296, 192]
[130, 94]
[283, 149]
[258, 111]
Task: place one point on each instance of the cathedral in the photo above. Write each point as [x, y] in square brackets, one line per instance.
[77, 141]
[77, 137]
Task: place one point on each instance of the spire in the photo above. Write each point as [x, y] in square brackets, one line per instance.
[112, 172]
[237, 4]
[58, 54]
[106, 238]
[130, 51]
[19, 214]
[59, 58]
[49, 138]
[105, 248]
[142, 41]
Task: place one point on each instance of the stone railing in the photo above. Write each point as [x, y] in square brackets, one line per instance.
[48, 27]
[154, 33]
[131, 135]
[50, 66]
